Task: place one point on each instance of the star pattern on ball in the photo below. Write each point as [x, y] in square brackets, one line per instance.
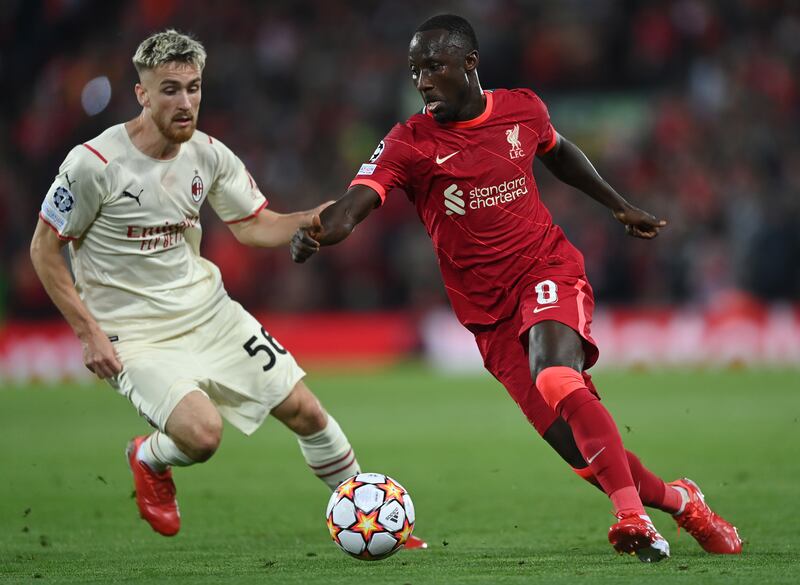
[392, 490]
[348, 487]
[402, 535]
[367, 524]
[332, 528]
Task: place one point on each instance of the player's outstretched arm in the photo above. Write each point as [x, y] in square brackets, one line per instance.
[570, 165]
[336, 222]
[98, 353]
[269, 229]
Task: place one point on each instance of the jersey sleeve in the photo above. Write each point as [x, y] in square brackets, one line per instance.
[234, 195]
[76, 195]
[388, 167]
[543, 127]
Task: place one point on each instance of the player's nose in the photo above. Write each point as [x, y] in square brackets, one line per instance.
[185, 102]
[424, 82]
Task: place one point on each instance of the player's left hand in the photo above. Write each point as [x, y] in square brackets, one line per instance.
[639, 223]
[303, 244]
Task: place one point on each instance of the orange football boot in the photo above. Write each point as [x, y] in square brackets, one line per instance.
[712, 532]
[414, 542]
[155, 493]
[635, 534]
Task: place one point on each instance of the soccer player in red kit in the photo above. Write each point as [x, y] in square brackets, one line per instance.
[512, 277]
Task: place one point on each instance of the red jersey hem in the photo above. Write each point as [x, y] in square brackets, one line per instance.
[550, 145]
[52, 227]
[374, 185]
[251, 216]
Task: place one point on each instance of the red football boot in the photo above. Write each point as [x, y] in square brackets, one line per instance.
[155, 493]
[713, 533]
[635, 534]
[414, 542]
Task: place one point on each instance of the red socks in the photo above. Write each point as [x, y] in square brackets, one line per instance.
[653, 492]
[595, 434]
[652, 489]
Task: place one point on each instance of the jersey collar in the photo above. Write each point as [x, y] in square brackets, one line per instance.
[487, 111]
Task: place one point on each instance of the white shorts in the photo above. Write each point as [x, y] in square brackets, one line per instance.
[231, 358]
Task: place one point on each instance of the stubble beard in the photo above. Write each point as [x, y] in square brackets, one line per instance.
[176, 135]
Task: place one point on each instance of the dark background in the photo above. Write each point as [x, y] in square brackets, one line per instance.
[689, 108]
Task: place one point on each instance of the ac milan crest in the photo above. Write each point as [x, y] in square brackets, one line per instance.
[197, 187]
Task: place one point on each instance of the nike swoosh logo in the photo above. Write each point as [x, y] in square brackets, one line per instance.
[540, 309]
[440, 160]
[593, 457]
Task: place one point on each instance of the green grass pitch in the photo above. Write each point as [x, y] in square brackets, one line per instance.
[494, 503]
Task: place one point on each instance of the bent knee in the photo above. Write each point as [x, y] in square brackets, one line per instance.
[309, 419]
[204, 439]
[302, 412]
[557, 382]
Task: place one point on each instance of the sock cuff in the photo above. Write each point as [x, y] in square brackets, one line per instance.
[324, 436]
[557, 382]
[159, 451]
[329, 455]
[326, 448]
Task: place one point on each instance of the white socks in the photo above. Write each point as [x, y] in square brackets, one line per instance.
[329, 454]
[159, 452]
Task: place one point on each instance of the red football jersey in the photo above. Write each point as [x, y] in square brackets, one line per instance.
[472, 184]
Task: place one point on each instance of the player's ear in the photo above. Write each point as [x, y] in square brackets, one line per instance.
[471, 61]
[141, 95]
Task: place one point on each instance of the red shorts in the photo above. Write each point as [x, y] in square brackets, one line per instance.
[504, 345]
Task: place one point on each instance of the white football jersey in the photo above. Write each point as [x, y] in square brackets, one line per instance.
[134, 228]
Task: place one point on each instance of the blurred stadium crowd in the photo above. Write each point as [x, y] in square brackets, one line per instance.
[688, 107]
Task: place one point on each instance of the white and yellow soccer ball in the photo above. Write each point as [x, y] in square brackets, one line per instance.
[370, 516]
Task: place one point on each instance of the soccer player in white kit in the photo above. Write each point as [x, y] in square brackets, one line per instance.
[152, 315]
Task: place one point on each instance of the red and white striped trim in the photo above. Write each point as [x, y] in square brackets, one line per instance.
[52, 227]
[323, 471]
[94, 150]
[251, 216]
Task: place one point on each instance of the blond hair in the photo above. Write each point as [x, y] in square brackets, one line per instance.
[169, 46]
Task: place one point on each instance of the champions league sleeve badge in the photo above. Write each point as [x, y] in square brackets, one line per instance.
[377, 152]
[56, 207]
[63, 199]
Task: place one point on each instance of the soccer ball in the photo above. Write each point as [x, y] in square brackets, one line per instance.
[370, 516]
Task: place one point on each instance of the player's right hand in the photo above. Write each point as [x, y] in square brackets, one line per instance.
[303, 244]
[100, 356]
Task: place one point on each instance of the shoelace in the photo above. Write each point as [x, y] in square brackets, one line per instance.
[697, 520]
[651, 529]
[163, 488]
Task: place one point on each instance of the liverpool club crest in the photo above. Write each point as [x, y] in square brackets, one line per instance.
[512, 136]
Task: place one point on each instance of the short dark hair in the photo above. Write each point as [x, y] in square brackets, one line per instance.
[455, 26]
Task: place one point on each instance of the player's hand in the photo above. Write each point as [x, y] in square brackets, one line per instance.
[100, 356]
[303, 244]
[320, 208]
[639, 223]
